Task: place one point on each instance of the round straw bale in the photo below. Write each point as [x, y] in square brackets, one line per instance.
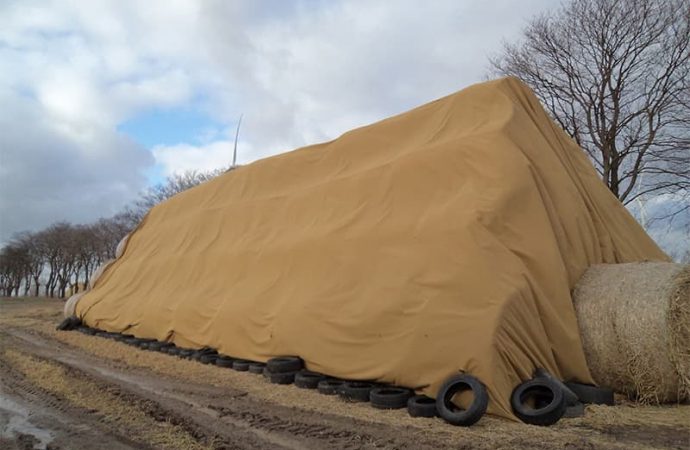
[120, 249]
[634, 321]
[71, 304]
[97, 274]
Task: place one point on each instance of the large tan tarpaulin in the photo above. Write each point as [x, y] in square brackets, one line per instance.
[444, 239]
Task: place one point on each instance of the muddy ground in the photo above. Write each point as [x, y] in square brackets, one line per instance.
[65, 390]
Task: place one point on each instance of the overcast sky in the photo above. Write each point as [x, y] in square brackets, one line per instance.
[101, 98]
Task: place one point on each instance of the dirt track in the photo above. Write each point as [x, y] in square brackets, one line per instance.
[65, 390]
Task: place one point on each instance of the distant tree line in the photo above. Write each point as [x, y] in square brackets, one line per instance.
[64, 255]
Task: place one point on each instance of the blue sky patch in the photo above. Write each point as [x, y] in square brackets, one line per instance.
[170, 127]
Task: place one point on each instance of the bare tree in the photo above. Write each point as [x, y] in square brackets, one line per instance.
[14, 268]
[36, 260]
[616, 76]
[65, 254]
[174, 184]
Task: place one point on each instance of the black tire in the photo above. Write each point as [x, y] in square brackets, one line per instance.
[329, 386]
[241, 365]
[132, 341]
[257, 368]
[573, 411]
[123, 337]
[70, 323]
[421, 406]
[389, 397]
[308, 380]
[144, 343]
[570, 396]
[266, 373]
[208, 358]
[356, 391]
[592, 394]
[285, 364]
[173, 351]
[548, 402]
[155, 346]
[225, 361]
[282, 377]
[458, 416]
[185, 353]
[196, 356]
[165, 348]
[62, 326]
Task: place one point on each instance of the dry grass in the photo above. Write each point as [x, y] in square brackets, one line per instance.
[491, 432]
[593, 429]
[112, 410]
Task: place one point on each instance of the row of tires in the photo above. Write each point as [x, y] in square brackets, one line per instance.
[541, 401]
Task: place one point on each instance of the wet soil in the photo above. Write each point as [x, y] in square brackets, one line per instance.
[64, 390]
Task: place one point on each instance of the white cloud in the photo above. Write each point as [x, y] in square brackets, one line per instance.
[183, 157]
[47, 175]
[301, 72]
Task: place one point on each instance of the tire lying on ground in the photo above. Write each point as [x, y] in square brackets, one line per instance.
[186, 353]
[69, 324]
[576, 410]
[389, 397]
[329, 386]
[225, 361]
[209, 358]
[155, 345]
[308, 380]
[241, 365]
[570, 397]
[285, 364]
[447, 406]
[107, 335]
[165, 348]
[282, 377]
[539, 401]
[203, 351]
[592, 394]
[257, 368]
[421, 406]
[144, 343]
[356, 391]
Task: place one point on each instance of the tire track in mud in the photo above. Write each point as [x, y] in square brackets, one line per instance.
[225, 417]
[70, 427]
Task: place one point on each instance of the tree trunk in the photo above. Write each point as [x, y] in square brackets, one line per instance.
[37, 285]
